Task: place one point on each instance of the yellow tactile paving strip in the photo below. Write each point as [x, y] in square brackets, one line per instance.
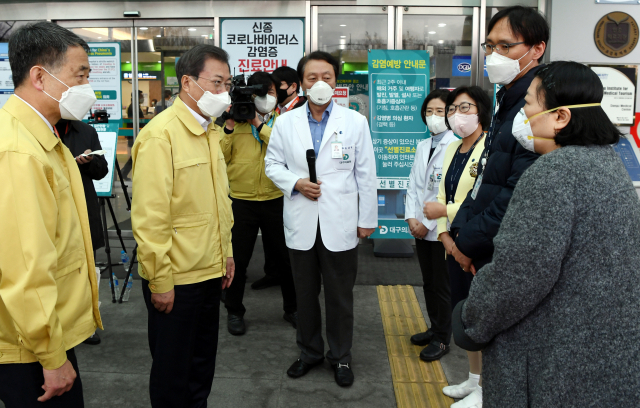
[417, 384]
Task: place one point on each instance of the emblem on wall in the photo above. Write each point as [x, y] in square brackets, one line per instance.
[616, 34]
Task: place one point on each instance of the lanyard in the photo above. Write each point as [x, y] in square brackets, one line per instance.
[293, 103]
[255, 131]
[465, 158]
[485, 154]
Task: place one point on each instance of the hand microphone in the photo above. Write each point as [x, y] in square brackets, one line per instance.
[311, 161]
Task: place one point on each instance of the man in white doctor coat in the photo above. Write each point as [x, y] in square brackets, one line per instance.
[323, 221]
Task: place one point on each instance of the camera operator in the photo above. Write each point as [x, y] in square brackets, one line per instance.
[257, 202]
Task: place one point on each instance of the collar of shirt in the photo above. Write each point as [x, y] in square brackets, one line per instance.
[39, 114]
[288, 106]
[265, 118]
[325, 114]
[202, 121]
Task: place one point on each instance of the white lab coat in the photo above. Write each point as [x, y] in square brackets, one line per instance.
[348, 187]
[421, 172]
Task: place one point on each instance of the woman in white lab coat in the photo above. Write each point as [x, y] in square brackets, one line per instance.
[423, 187]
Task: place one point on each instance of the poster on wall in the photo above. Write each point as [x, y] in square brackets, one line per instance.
[6, 79]
[256, 44]
[358, 86]
[620, 83]
[104, 59]
[108, 137]
[341, 96]
[398, 85]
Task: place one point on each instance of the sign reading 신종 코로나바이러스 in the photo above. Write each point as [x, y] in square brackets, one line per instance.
[256, 44]
[398, 85]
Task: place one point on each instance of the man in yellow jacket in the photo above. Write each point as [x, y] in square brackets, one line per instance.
[48, 284]
[181, 218]
[257, 203]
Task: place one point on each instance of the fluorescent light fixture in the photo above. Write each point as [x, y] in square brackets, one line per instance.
[343, 36]
[127, 62]
[144, 28]
[159, 62]
[441, 42]
[343, 25]
[432, 32]
[158, 35]
[99, 37]
[441, 25]
[191, 29]
[205, 35]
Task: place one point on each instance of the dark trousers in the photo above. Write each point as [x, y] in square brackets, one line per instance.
[437, 294]
[248, 217]
[460, 281]
[338, 270]
[21, 386]
[183, 345]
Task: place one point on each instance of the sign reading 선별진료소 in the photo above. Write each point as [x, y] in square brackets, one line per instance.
[398, 85]
[256, 44]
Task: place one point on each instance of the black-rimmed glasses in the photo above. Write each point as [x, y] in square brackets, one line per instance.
[463, 108]
[501, 48]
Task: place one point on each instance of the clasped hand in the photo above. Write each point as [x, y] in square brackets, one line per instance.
[309, 189]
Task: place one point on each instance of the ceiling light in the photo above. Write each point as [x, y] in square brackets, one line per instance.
[158, 35]
[159, 62]
[426, 26]
[144, 28]
[205, 35]
[99, 37]
[127, 62]
[191, 29]
[441, 42]
[432, 32]
[343, 25]
[343, 36]
[441, 25]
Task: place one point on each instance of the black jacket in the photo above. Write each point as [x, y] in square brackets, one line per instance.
[78, 138]
[477, 221]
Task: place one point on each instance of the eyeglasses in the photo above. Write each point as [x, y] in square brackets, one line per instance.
[437, 111]
[502, 48]
[463, 108]
[219, 85]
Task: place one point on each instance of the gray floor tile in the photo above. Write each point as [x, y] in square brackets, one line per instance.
[295, 393]
[106, 390]
[231, 393]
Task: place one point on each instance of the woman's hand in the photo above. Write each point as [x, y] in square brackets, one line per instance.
[434, 210]
[417, 229]
[447, 241]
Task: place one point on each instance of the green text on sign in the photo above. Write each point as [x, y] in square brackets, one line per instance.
[102, 52]
[106, 95]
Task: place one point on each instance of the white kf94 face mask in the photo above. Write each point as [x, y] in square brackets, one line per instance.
[320, 93]
[502, 70]
[212, 105]
[75, 101]
[265, 104]
[436, 124]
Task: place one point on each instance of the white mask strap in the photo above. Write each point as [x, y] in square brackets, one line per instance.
[45, 92]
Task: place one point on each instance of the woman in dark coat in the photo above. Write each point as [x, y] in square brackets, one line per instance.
[556, 311]
[80, 137]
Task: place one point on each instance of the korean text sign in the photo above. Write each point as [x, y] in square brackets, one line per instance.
[104, 59]
[398, 85]
[257, 44]
[6, 79]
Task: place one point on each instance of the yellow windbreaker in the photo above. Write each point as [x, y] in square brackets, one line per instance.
[244, 156]
[48, 284]
[181, 211]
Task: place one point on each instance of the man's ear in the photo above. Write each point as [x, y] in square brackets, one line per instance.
[184, 81]
[36, 77]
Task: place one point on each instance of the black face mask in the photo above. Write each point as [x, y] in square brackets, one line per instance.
[283, 94]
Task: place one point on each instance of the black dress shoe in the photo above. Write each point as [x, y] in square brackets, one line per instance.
[94, 340]
[235, 324]
[292, 318]
[300, 368]
[422, 339]
[343, 374]
[265, 282]
[434, 351]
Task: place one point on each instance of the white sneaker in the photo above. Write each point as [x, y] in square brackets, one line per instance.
[461, 390]
[473, 400]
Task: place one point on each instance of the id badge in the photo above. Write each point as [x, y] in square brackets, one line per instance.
[430, 183]
[476, 187]
[336, 150]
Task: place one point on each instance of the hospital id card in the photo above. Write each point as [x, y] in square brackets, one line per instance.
[336, 150]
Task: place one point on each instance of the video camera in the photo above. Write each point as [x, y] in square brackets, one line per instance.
[242, 106]
[99, 116]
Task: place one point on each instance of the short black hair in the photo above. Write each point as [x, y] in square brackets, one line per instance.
[41, 43]
[321, 56]
[564, 83]
[526, 22]
[437, 94]
[167, 93]
[481, 99]
[288, 75]
[192, 62]
[262, 78]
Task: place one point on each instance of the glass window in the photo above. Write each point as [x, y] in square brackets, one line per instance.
[447, 38]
